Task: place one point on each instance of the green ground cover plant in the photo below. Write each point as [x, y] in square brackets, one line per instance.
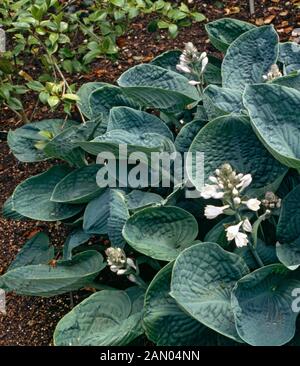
[219, 269]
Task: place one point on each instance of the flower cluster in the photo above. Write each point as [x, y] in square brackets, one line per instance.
[118, 262]
[273, 73]
[271, 201]
[192, 62]
[228, 186]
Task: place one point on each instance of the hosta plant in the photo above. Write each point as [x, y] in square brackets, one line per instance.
[219, 266]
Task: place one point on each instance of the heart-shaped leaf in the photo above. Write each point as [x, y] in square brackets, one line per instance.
[32, 197]
[161, 232]
[103, 319]
[166, 324]
[243, 151]
[262, 306]
[79, 186]
[202, 280]
[272, 112]
[111, 141]
[47, 280]
[136, 122]
[223, 32]
[250, 57]
[154, 86]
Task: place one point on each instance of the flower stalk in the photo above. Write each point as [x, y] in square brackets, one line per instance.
[120, 264]
[229, 186]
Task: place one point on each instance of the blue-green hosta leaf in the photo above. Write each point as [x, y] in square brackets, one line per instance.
[153, 86]
[187, 134]
[103, 319]
[262, 306]
[273, 118]
[202, 280]
[164, 100]
[288, 230]
[136, 295]
[63, 146]
[96, 214]
[292, 80]
[84, 93]
[137, 122]
[231, 139]
[289, 55]
[8, 211]
[137, 199]
[219, 101]
[250, 57]
[46, 280]
[223, 32]
[32, 197]
[161, 232]
[74, 239]
[147, 75]
[36, 250]
[167, 60]
[79, 186]
[166, 324]
[27, 142]
[103, 99]
[118, 214]
[212, 73]
[110, 142]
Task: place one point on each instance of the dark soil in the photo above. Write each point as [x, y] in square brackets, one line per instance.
[31, 321]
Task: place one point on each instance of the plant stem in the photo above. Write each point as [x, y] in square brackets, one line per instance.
[255, 254]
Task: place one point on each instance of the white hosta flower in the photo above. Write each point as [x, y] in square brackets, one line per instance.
[247, 226]
[120, 272]
[203, 56]
[245, 182]
[209, 190]
[130, 263]
[218, 195]
[190, 48]
[253, 204]
[236, 200]
[183, 68]
[241, 240]
[235, 192]
[194, 82]
[273, 73]
[204, 64]
[211, 212]
[233, 233]
[213, 179]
